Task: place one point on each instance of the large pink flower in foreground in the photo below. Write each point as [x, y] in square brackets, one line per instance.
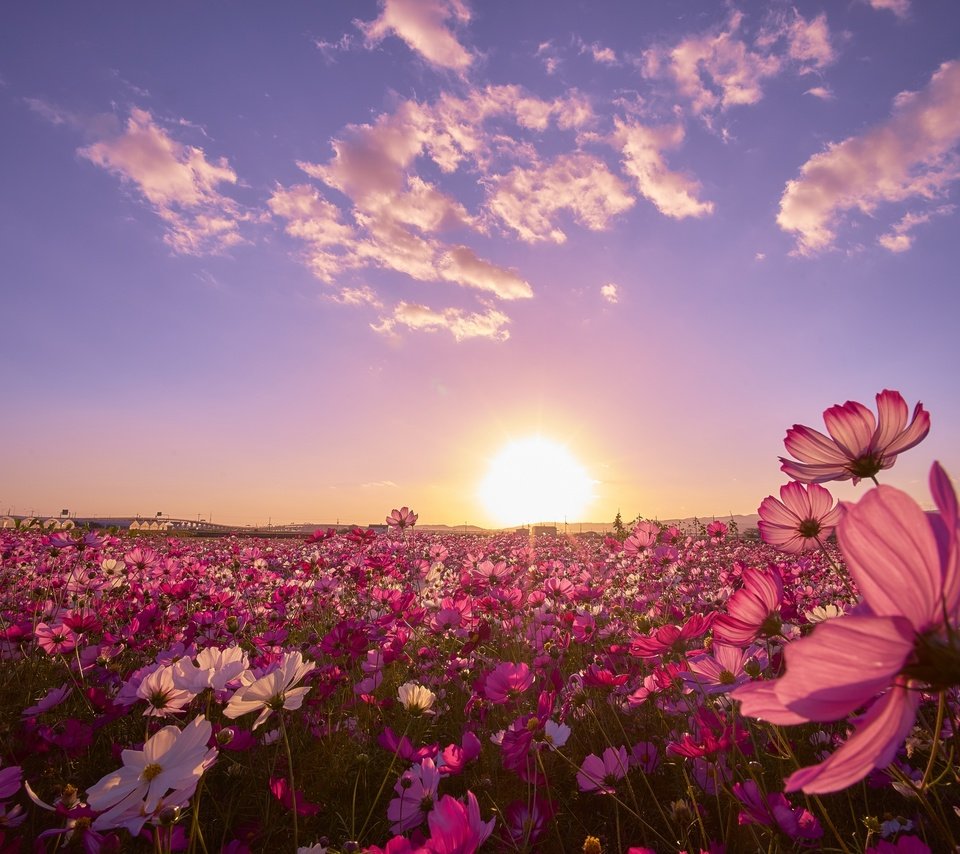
[902, 638]
[802, 518]
[859, 445]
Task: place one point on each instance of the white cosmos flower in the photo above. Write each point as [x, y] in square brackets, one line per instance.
[415, 698]
[272, 692]
[167, 769]
[214, 668]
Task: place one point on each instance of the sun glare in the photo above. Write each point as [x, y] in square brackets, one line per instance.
[535, 480]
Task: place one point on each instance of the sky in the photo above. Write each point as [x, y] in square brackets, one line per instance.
[315, 261]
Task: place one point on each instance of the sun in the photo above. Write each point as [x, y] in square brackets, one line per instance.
[535, 480]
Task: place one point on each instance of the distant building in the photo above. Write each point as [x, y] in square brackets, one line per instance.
[544, 530]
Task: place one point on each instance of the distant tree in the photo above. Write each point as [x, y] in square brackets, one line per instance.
[620, 532]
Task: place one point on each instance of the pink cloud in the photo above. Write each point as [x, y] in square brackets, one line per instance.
[177, 180]
[462, 325]
[808, 42]
[673, 193]
[460, 264]
[900, 8]
[912, 154]
[528, 200]
[423, 25]
[718, 69]
[899, 238]
[824, 93]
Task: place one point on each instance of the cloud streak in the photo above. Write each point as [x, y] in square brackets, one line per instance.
[178, 181]
[911, 155]
[423, 25]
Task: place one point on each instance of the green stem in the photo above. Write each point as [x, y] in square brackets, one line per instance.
[293, 784]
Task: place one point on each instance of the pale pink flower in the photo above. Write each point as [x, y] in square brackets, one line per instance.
[859, 445]
[804, 516]
[416, 794]
[601, 775]
[162, 695]
[214, 668]
[166, 770]
[402, 518]
[272, 692]
[902, 638]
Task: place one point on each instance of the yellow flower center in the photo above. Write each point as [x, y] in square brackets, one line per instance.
[151, 772]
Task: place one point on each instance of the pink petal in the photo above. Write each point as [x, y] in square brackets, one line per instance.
[892, 417]
[759, 700]
[811, 446]
[913, 435]
[892, 554]
[843, 665]
[874, 744]
[851, 425]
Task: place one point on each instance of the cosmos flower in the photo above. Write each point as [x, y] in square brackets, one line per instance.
[415, 698]
[754, 610]
[601, 775]
[903, 636]
[859, 445]
[166, 770]
[416, 794]
[402, 518]
[272, 692]
[508, 681]
[803, 518]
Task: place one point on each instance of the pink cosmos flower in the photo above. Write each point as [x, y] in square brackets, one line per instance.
[803, 516]
[55, 640]
[402, 518]
[859, 445]
[456, 828]
[416, 793]
[902, 637]
[775, 810]
[162, 695]
[601, 775]
[167, 771]
[717, 531]
[508, 681]
[719, 671]
[754, 610]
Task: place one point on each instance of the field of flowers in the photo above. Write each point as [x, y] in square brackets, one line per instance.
[664, 692]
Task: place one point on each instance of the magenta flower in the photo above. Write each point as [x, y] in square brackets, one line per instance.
[803, 517]
[416, 794]
[508, 681]
[402, 518]
[754, 610]
[456, 828]
[775, 810]
[601, 775]
[55, 640]
[859, 445]
[903, 636]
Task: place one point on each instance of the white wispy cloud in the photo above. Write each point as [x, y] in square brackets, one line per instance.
[177, 180]
[528, 200]
[460, 324]
[610, 292]
[824, 93]
[425, 26]
[912, 154]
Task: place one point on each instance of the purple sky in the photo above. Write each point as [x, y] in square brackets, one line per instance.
[318, 261]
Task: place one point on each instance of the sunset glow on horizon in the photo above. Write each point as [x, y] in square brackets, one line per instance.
[314, 263]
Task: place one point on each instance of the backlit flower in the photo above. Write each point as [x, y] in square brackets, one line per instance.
[803, 517]
[859, 445]
[903, 637]
[415, 698]
[754, 610]
[402, 518]
[601, 775]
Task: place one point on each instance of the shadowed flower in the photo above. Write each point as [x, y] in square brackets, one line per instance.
[859, 445]
[903, 636]
[272, 692]
[167, 769]
[601, 775]
[508, 681]
[802, 519]
[775, 810]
